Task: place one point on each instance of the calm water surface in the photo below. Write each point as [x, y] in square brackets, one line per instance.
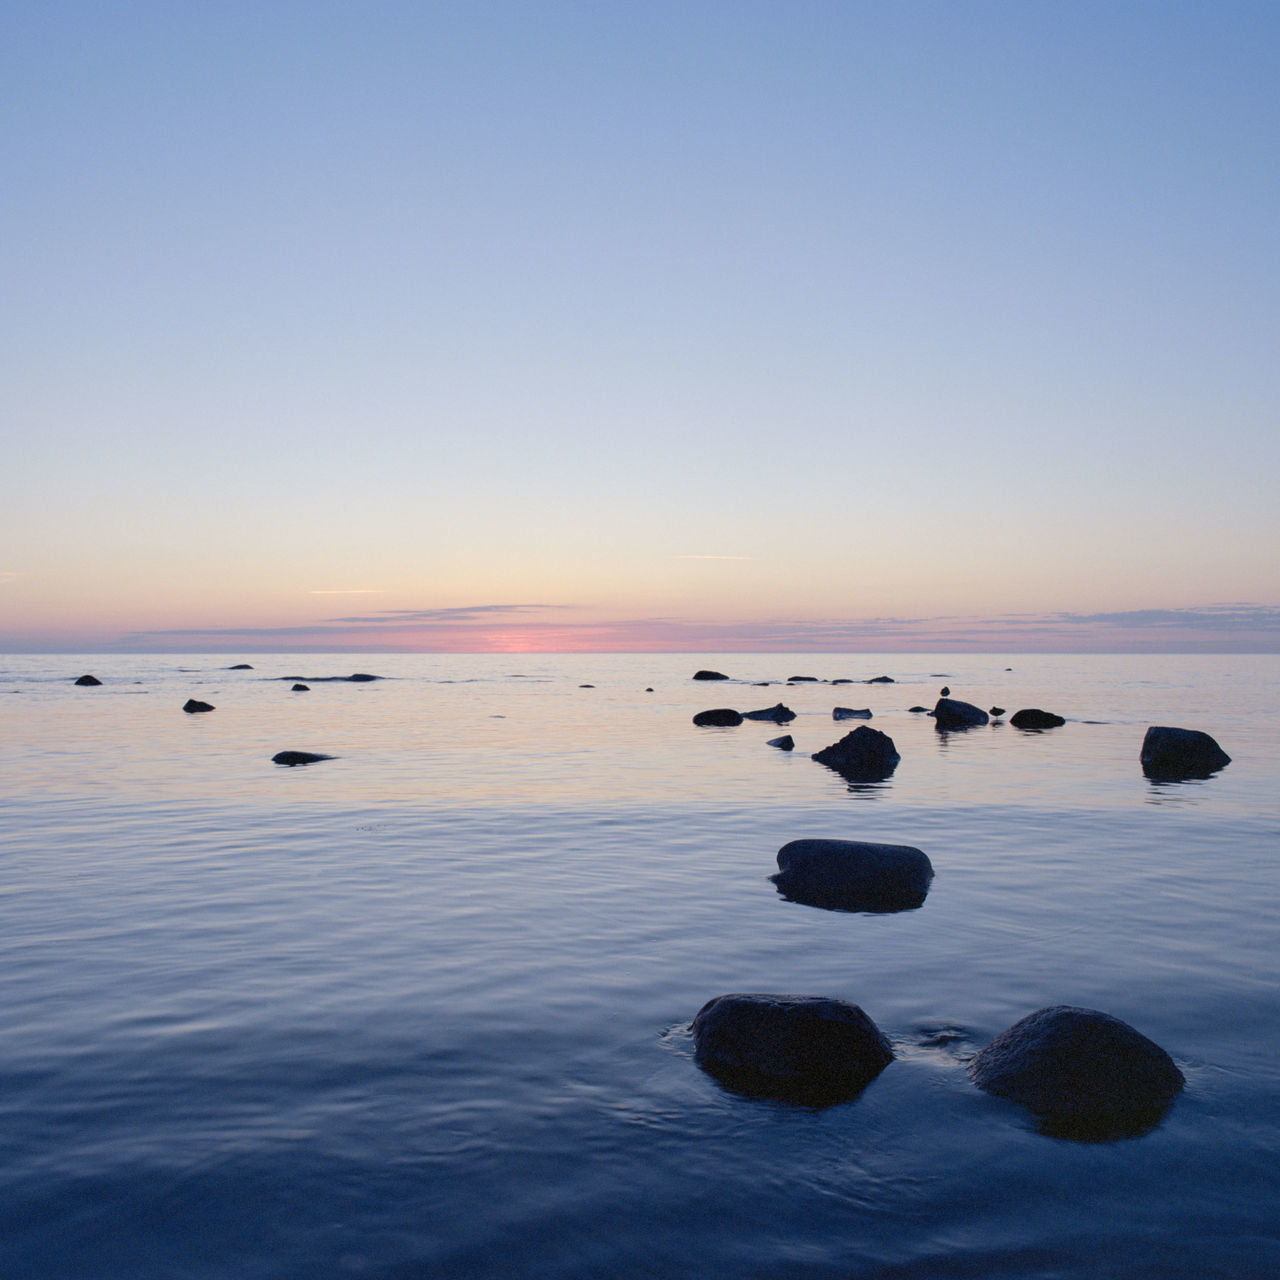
[422, 1009]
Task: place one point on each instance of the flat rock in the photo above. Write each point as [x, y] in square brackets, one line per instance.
[951, 713]
[709, 675]
[865, 755]
[297, 757]
[852, 875]
[358, 677]
[809, 1049]
[920, 711]
[1180, 753]
[1087, 1073]
[241, 666]
[1034, 718]
[194, 704]
[776, 713]
[803, 680]
[880, 680]
[88, 680]
[721, 717]
[784, 743]
[851, 713]
[300, 688]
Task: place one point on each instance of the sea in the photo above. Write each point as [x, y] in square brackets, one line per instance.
[423, 1009]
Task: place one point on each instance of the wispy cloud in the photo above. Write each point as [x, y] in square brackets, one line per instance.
[1217, 617]
[459, 613]
[710, 557]
[348, 591]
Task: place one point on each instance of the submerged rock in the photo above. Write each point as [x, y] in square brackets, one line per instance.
[845, 680]
[709, 675]
[194, 704]
[1034, 718]
[784, 743]
[951, 713]
[298, 757]
[88, 680]
[920, 711]
[1086, 1073]
[240, 666]
[777, 713]
[1180, 753]
[721, 717]
[803, 680]
[865, 755]
[851, 713]
[805, 1048]
[880, 680]
[851, 875]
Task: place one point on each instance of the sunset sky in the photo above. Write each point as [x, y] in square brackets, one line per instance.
[688, 325]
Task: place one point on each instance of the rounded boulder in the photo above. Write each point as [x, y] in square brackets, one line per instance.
[853, 875]
[1180, 753]
[718, 717]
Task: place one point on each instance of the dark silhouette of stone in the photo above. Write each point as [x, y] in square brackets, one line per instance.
[865, 755]
[995, 711]
[784, 743]
[1180, 753]
[844, 680]
[301, 688]
[194, 704]
[649, 689]
[297, 757]
[240, 666]
[880, 680]
[807, 1049]
[709, 675]
[88, 680]
[1034, 718]
[920, 711]
[586, 686]
[950, 713]
[946, 693]
[851, 875]
[360, 677]
[1086, 1073]
[851, 713]
[803, 680]
[777, 713]
[720, 717]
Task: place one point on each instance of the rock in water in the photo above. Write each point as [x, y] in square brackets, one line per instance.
[301, 688]
[777, 713]
[993, 712]
[240, 666]
[951, 713]
[1034, 718]
[1086, 1073]
[784, 743]
[803, 680]
[709, 675]
[805, 1048]
[1180, 753]
[865, 755]
[87, 680]
[194, 704]
[722, 717]
[297, 757]
[851, 713]
[879, 680]
[850, 875]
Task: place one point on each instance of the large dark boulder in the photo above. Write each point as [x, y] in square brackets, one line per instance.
[194, 704]
[87, 680]
[1085, 1073]
[784, 743]
[805, 1048]
[1180, 753]
[851, 875]
[720, 717]
[297, 757]
[865, 755]
[851, 713]
[951, 713]
[709, 675]
[1034, 718]
[777, 713]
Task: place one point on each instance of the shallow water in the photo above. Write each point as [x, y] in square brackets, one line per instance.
[422, 1009]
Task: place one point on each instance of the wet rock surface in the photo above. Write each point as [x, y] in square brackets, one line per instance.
[853, 875]
[865, 755]
[951, 713]
[1180, 753]
[718, 717]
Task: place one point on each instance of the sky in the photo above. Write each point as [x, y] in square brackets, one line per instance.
[651, 326]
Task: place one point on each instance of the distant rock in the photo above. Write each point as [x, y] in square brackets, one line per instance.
[301, 688]
[804, 1048]
[784, 743]
[946, 693]
[586, 686]
[1180, 753]
[359, 677]
[803, 680]
[842, 680]
[1086, 1073]
[777, 713]
[1034, 718]
[240, 666]
[950, 713]
[851, 713]
[919, 711]
[649, 689]
[865, 755]
[995, 711]
[880, 680]
[719, 717]
[709, 675]
[297, 757]
[851, 875]
[86, 681]
[194, 704]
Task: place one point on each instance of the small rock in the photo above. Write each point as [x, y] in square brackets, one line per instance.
[1034, 718]
[88, 680]
[1087, 1073]
[995, 711]
[1180, 753]
[362, 677]
[946, 693]
[851, 875]
[784, 743]
[880, 680]
[649, 689]
[803, 680]
[851, 713]
[844, 680]
[920, 711]
[949, 713]
[709, 675]
[805, 1048]
[297, 757]
[194, 704]
[586, 686]
[722, 717]
[301, 688]
[865, 755]
[240, 666]
[777, 713]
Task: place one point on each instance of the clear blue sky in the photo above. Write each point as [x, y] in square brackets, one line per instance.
[651, 325]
